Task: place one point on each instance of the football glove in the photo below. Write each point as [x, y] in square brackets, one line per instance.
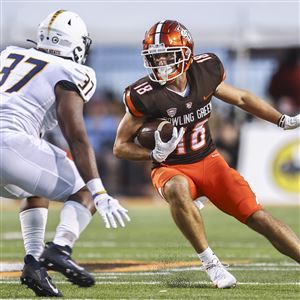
[163, 150]
[287, 122]
[110, 210]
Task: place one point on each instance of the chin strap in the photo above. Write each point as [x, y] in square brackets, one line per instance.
[31, 41]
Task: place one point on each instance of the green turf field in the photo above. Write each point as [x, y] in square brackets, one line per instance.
[151, 260]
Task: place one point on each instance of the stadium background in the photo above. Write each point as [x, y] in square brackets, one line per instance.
[251, 38]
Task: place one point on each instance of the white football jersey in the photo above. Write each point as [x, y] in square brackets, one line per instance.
[27, 81]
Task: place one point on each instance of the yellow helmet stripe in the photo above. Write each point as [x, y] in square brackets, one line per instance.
[55, 15]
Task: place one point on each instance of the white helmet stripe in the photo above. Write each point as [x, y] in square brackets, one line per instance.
[157, 32]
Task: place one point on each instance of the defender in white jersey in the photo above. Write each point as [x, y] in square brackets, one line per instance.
[40, 88]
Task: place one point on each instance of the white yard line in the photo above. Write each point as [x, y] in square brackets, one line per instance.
[189, 269]
[246, 268]
[7, 267]
[163, 283]
[134, 273]
[17, 235]
[194, 283]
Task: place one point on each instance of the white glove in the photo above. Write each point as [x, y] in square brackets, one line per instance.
[163, 150]
[110, 210]
[287, 122]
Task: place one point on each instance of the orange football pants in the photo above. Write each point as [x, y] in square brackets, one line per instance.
[213, 178]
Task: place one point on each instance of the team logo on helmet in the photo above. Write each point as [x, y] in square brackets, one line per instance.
[184, 32]
[55, 40]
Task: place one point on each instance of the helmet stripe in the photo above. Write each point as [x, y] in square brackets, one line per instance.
[158, 32]
[55, 15]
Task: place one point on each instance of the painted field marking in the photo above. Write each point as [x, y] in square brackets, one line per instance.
[7, 267]
[17, 235]
[135, 267]
[188, 283]
[249, 268]
[193, 283]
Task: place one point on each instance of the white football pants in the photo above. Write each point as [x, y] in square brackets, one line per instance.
[30, 166]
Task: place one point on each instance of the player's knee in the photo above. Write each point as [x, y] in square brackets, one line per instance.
[259, 219]
[34, 202]
[177, 190]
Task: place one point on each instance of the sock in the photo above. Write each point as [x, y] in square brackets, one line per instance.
[74, 218]
[207, 256]
[33, 225]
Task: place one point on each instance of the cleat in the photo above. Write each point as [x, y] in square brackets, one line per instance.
[35, 277]
[218, 274]
[58, 258]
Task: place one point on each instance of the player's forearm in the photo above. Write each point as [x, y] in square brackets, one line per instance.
[130, 151]
[259, 108]
[84, 158]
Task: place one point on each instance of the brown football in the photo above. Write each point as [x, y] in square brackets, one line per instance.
[145, 135]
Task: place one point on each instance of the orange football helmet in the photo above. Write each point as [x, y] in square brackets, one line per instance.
[172, 41]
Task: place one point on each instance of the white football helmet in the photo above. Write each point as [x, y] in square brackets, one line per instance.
[63, 33]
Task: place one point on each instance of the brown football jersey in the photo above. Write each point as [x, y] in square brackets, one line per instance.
[150, 99]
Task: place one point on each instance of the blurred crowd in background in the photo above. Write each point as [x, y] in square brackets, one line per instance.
[273, 74]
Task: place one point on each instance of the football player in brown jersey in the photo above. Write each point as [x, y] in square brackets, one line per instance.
[179, 88]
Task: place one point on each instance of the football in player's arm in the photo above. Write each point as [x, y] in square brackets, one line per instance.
[179, 88]
[39, 88]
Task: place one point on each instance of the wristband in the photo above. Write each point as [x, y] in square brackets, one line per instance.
[281, 121]
[95, 186]
[99, 193]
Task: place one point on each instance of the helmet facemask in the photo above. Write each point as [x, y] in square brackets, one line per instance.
[176, 62]
[80, 54]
